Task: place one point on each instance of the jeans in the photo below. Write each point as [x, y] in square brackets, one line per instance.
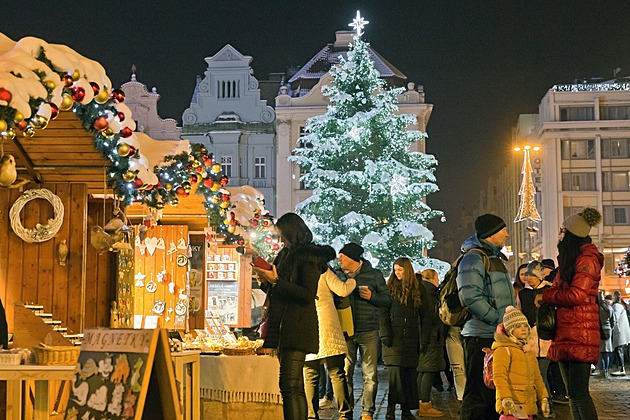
[335, 366]
[455, 350]
[479, 402]
[605, 357]
[325, 385]
[292, 383]
[576, 376]
[367, 343]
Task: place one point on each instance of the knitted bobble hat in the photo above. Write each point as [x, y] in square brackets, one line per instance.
[580, 224]
[512, 319]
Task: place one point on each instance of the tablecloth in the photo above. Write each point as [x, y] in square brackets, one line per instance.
[240, 379]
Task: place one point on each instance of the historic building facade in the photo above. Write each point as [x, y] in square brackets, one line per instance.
[301, 98]
[228, 116]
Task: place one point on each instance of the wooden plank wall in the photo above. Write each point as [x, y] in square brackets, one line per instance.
[79, 293]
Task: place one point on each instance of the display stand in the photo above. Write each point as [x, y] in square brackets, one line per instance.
[123, 372]
[153, 288]
[228, 284]
[187, 374]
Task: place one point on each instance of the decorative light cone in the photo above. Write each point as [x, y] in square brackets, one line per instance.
[527, 208]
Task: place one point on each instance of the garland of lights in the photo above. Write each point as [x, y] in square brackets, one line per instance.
[103, 115]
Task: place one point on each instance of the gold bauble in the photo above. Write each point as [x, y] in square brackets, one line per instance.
[102, 97]
[159, 205]
[18, 117]
[215, 199]
[204, 174]
[231, 229]
[222, 212]
[9, 134]
[123, 149]
[227, 222]
[129, 176]
[108, 133]
[66, 102]
[215, 187]
[224, 204]
[76, 75]
[39, 122]
[3, 125]
[168, 187]
[29, 131]
[51, 85]
[216, 168]
[174, 201]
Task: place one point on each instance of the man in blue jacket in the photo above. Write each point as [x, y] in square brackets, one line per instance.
[370, 294]
[486, 294]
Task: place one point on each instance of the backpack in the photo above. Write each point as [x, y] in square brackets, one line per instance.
[488, 367]
[450, 307]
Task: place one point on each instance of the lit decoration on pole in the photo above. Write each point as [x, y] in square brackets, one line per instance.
[527, 209]
[358, 23]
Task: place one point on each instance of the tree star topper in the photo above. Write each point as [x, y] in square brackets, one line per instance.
[358, 23]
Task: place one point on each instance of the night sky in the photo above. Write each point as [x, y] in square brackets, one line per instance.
[482, 63]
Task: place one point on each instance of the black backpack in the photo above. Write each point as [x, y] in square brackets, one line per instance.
[450, 307]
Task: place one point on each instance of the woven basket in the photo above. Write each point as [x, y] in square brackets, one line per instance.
[10, 359]
[238, 351]
[57, 355]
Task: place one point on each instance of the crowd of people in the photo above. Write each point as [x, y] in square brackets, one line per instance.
[397, 320]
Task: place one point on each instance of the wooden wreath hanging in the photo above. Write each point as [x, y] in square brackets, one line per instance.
[39, 233]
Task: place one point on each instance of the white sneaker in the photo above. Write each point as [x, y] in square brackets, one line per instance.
[325, 403]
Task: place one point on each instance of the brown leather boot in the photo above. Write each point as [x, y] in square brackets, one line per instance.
[427, 410]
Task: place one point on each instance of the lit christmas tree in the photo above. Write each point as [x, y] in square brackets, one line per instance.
[623, 268]
[368, 187]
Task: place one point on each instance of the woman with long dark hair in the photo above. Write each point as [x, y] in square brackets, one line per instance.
[520, 279]
[576, 343]
[292, 285]
[400, 337]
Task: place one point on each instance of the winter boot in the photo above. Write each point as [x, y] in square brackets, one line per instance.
[407, 415]
[621, 372]
[391, 412]
[427, 410]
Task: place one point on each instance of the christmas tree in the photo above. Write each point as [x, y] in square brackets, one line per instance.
[368, 187]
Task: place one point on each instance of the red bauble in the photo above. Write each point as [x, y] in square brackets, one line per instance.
[190, 167]
[265, 223]
[233, 223]
[208, 182]
[138, 183]
[5, 95]
[100, 123]
[118, 95]
[132, 151]
[268, 240]
[275, 247]
[254, 223]
[67, 80]
[126, 132]
[225, 197]
[208, 162]
[121, 116]
[22, 125]
[180, 191]
[224, 179]
[200, 169]
[193, 179]
[95, 87]
[54, 110]
[78, 94]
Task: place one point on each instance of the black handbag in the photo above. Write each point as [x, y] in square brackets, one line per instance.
[546, 321]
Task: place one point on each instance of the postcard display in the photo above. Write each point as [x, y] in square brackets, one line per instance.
[228, 285]
[153, 285]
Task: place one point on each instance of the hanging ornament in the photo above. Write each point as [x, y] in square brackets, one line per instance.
[159, 205]
[95, 88]
[208, 182]
[100, 123]
[66, 102]
[7, 135]
[180, 191]
[216, 168]
[78, 93]
[67, 80]
[5, 95]
[231, 229]
[194, 179]
[215, 199]
[118, 95]
[121, 116]
[215, 186]
[137, 184]
[3, 125]
[39, 122]
[224, 204]
[18, 117]
[126, 132]
[174, 201]
[108, 132]
[29, 131]
[132, 151]
[187, 186]
[225, 197]
[123, 149]
[227, 222]
[129, 176]
[168, 187]
[22, 125]
[102, 97]
[224, 180]
[54, 110]
[76, 75]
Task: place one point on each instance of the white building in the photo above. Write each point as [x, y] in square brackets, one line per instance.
[302, 98]
[228, 116]
[143, 105]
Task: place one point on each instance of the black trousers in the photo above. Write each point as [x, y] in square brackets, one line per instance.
[292, 384]
[479, 402]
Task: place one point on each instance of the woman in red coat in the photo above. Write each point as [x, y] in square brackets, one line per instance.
[574, 290]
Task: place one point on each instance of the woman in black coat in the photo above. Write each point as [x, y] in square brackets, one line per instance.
[292, 288]
[400, 337]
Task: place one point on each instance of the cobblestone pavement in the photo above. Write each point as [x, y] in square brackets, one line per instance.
[611, 397]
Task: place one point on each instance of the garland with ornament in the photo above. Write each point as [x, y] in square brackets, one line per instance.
[263, 237]
[45, 79]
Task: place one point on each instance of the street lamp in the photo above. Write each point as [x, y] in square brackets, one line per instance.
[527, 209]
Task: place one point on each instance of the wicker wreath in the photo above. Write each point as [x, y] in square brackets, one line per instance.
[39, 233]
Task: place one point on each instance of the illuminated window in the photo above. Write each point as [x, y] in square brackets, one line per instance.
[615, 148]
[616, 181]
[578, 181]
[578, 149]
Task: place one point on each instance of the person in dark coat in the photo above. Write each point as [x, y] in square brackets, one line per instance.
[400, 339]
[574, 290]
[292, 285]
[432, 342]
